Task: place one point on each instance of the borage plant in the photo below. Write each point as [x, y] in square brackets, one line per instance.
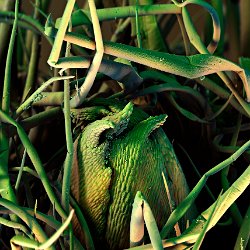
[118, 172]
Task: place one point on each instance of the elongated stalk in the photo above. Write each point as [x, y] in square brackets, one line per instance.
[37, 119]
[69, 140]
[243, 236]
[56, 49]
[48, 244]
[8, 192]
[28, 219]
[37, 95]
[236, 215]
[14, 225]
[192, 233]
[78, 99]
[86, 43]
[6, 5]
[78, 17]
[187, 66]
[198, 44]
[185, 204]
[36, 162]
[33, 62]
[25, 21]
[84, 226]
[7, 76]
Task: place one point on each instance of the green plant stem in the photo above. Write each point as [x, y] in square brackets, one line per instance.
[193, 231]
[120, 28]
[184, 34]
[67, 167]
[50, 98]
[226, 149]
[230, 196]
[173, 85]
[29, 220]
[206, 226]
[55, 52]
[56, 98]
[37, 119]
[138, 32]
[22, 52]
[25, 169]
[236, 215]
[78, 99]
[84, 226]
[24, 21]
[179, 65]
[33, 62]
[103, 15]
[6, 5]
[45, 5]
[35, 159]
[15, 225]
[32, 66]
[186, 203]
[196, 41]
[218, 6]
[27, 242]
[37, 95]
[8, 192]
[7, 76]
[34, 24]
[53, 223]
[243, 236]
[221, 92]
[20, 171]
[79, 16]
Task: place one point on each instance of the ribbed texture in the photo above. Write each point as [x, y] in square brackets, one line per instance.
[118, 156]
[94, 176]
[137, 164]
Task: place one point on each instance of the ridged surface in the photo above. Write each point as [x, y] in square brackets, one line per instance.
[95, 177]
[117, 156]
[138, 165]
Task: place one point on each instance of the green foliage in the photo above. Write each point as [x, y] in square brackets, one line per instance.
[166, 59]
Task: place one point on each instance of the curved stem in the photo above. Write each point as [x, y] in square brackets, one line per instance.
[8, 192]
[35, 159]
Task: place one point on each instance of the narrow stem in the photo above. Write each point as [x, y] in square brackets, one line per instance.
[28, 219]
[69, 141]
[35, 159]
[8, 192]
[234, 210]
[78, 17]
[33, 62]
[137, 22]
[188, 201]
[7, 75]
[6, 5]
[243, 237]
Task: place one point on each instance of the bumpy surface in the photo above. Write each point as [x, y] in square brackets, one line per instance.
[118, 155]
